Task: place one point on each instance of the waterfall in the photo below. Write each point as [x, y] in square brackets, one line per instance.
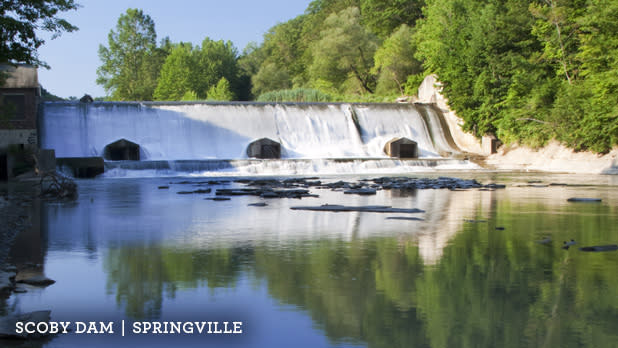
[199, 131]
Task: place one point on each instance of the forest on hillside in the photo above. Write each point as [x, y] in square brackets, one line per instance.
[526, 70]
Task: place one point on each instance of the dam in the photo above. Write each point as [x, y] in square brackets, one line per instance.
[213, 136]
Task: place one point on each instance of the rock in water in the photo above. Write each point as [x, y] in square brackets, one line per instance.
[261, 204]
[404, 218]
[37, 281]
[7, 281]
[545, 241]
[586, 200]
[367, 208]
[566, 244]
[598, 248]
[361, 191]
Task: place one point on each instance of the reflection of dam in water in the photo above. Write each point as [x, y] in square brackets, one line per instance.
[174, 132]
[127, 212]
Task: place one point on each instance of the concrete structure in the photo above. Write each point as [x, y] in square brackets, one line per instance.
[430, 92]
[490, 144]
[264, 148]
[19, 98]
[121, 150]
[82, 167]
[401, 148]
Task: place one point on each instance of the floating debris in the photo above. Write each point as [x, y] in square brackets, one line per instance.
[600, 248]
[163, 187]
[366, 208]
[218, 198]
[475, 221]
[500, 228]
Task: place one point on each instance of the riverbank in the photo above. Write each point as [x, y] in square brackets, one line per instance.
[552, 158]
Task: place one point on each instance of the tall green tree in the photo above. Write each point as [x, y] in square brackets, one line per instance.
[270, 77]
[383, 17]
[216, 59]
[22, 20]
[177, 77]
[132, 61]
[221, 91]
[586, 110]
[344, 51]
[557, 28]
[395, 62]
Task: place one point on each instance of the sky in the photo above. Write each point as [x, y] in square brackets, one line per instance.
[74, 59]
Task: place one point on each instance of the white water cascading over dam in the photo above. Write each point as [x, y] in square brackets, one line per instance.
[211, 137]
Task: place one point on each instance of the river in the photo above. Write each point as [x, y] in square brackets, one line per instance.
[468, 272]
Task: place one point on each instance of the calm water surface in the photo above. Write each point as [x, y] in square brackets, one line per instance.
[127, 250]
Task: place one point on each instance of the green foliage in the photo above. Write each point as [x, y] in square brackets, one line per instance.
[177, 74]
[198, 70]
[383, 17]
[132, 62]
[344, 51]
[394, 61]
[47, 96]
[20, 21]
[528, 70]
[270, 77]
[221, 91]
[190, 96]
[216, 60]
[295, 95]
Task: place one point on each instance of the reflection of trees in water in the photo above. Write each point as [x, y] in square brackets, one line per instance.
[490, 288]
[142, 275]
[352, 290]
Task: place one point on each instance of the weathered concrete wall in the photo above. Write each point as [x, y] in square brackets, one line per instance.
[430, 92]
[82, 167]
[17, 136]
[489, 143]
[20, 76]
[19, 97]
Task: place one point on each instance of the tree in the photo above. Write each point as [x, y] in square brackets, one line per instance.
[216, 59]
[394, 60]
[383, 17]
[345, 50]
[132, 61]
[221, 91]
[199, 69]
[177, 75]
[21, 19]
[270, 77]
[557, 28]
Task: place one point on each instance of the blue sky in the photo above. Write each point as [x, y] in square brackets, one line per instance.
[74, 59]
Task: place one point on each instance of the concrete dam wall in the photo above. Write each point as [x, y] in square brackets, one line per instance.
[199, 131]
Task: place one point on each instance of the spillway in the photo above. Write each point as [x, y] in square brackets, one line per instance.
[222, 131]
